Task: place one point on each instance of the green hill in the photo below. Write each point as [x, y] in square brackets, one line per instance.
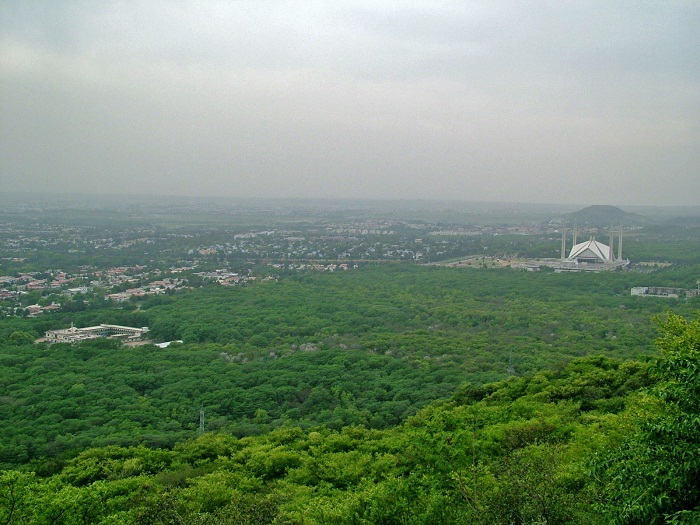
[604, 216]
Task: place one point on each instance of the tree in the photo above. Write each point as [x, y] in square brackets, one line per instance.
[15, 492]
[21, 338]
[654, 477]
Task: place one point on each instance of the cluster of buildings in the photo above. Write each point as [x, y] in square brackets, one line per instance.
[315, 267]
[152, 288]
[226, 277]
[328, 244]
[51, 280]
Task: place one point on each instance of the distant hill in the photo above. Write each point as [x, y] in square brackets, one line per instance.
[601, 215]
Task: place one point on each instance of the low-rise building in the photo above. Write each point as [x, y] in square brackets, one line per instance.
[73, 334]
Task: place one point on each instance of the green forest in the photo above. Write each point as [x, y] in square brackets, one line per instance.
[388, 394]
[369, 348]
[600, 440]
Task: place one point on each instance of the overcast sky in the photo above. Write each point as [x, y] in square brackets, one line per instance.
[555, 102]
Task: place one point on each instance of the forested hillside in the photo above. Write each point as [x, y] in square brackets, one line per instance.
[369, 347]
[599, 441]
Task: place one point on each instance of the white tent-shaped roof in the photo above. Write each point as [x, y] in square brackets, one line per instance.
[591, 251]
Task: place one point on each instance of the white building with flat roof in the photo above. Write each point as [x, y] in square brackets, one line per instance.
[73, 334]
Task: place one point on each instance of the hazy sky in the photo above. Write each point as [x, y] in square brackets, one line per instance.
[591, 102]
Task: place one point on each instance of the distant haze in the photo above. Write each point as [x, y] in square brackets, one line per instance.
[585, 102]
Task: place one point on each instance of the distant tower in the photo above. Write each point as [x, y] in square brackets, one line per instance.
[575, 232]
[619, 246]
[563, 243]
[201, 421]
[612, 243]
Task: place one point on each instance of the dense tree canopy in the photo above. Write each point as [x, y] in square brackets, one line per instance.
[516, 451]
[653, 476]
[369, 347]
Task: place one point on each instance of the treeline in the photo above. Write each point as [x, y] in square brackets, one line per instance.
[600, 441]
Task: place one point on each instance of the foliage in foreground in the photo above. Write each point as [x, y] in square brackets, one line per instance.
[654, 476]
[510, 452]
[599, 441]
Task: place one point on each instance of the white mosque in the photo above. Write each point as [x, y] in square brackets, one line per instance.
[592, 255]
[591, 251]
[587, 256]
